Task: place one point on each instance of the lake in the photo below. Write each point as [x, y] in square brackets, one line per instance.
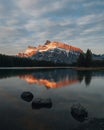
[51, 99]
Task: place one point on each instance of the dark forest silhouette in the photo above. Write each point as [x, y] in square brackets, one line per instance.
[84, 60]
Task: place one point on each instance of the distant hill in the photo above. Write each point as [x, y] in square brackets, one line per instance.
[98, 57]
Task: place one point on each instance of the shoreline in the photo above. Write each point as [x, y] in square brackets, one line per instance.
[58, 67]
[89, 68]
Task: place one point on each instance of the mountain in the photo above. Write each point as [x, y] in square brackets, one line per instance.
[55, 52]
[98, 57]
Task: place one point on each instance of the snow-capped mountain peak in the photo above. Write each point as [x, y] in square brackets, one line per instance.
[56, 52]
[30, 51]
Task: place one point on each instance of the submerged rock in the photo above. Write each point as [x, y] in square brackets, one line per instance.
[27, 96]
[39, 103]
[79, 112]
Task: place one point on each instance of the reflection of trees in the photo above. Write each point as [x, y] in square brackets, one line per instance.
[58, 77]
[54, 74]
[53, 78]
[80, 76]
[6, 73]
[86, 75]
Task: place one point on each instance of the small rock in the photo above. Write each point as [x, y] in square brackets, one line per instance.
[27, 96]
[41, 103]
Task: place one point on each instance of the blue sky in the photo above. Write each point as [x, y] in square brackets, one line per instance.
[79, 23]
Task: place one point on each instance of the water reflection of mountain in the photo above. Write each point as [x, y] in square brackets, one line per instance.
[54, 78]
[51, 78]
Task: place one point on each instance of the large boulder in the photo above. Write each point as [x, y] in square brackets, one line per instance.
[79, 112]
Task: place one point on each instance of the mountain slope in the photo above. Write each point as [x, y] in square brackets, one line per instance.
[54, 52]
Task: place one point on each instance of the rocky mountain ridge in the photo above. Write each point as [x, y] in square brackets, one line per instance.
[55, 52]
[30, 51]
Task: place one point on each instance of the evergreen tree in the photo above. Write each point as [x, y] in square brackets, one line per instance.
[88, 58]
[81, 60]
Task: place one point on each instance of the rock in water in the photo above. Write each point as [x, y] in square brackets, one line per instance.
[79, 112]
[27, 96]
[39, 103]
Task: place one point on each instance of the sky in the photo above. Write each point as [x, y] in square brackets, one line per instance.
[25, 23]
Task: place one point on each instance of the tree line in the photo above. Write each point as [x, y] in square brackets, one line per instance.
[86, 60]
[15, 61]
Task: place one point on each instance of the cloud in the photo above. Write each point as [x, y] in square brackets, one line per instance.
[28, 22]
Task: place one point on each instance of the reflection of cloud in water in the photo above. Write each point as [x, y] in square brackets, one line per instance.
[52, 79]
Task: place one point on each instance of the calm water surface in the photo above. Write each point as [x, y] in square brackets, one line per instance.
[64, 88]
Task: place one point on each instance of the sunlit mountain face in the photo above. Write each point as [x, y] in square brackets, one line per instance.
[30, 51]
[55, 52]
[52, 79]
